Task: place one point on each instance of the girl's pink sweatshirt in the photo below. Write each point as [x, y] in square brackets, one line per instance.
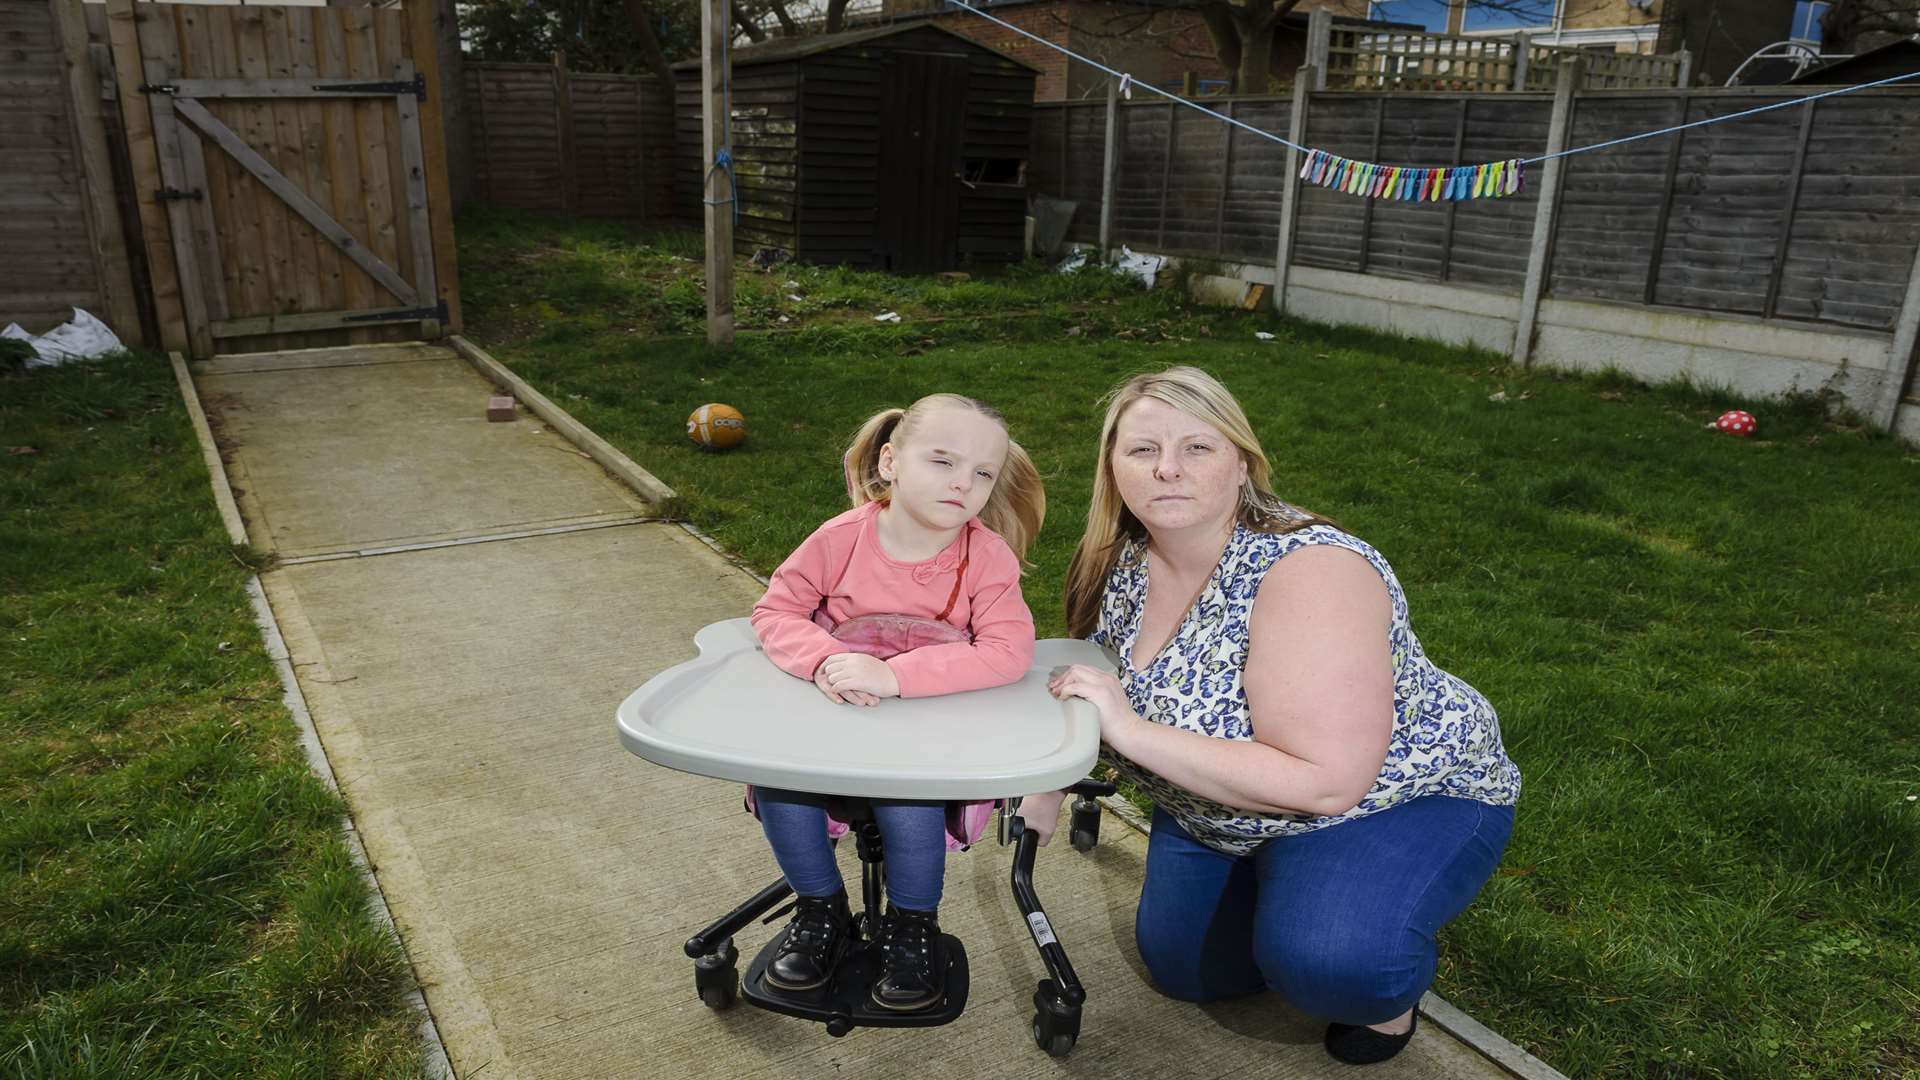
[844, 563]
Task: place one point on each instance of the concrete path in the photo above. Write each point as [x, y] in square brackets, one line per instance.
[465, 603]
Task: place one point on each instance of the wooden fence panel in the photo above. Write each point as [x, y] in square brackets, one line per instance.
[1852, 241]
[1408, 239]
[1330, 226]
[1712, 218]
[1490, 238]
[51, 265]
[610, 151]
[1612, 200]
[1250, 218]
[1727, 208]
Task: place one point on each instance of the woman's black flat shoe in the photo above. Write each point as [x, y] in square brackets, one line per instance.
[1361, 1045]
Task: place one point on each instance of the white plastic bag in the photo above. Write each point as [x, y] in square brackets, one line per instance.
[1144, 267]
[80, 338]
[1074, 261]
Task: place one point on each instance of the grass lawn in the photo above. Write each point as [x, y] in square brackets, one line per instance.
[1702, 647]
[175, 895]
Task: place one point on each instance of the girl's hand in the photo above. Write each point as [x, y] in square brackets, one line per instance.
[1101, 688]
[847, 674]
[1042, 813]
[849, 697]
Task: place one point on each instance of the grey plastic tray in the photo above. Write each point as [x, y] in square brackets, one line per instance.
[730, 713]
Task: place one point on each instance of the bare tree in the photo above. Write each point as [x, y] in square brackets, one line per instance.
[1851, 26]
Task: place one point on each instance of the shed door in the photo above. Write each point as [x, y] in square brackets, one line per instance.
[923, 101]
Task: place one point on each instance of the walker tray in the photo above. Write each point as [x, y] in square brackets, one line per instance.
[730, 713]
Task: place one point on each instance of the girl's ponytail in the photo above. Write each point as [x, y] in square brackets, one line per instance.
[861, 463]
[1019, 502]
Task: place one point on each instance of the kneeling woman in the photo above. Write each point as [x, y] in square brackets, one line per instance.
[1326, 798]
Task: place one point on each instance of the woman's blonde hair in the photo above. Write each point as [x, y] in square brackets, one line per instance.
[1019, 501]
[1110, 524]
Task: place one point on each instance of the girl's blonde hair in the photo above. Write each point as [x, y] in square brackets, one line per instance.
[1110, 524]
[1019, 501]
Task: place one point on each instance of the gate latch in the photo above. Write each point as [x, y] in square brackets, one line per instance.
[417, 86]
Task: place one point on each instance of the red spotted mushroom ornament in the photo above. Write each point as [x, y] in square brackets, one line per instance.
[1736, 422]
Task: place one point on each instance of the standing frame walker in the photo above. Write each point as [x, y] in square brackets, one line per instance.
[731, 714]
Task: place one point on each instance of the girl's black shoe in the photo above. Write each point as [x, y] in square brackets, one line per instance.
[915, 973]
[1361, 1045]
[816, 940]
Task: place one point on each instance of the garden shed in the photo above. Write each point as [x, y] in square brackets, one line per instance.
[898, 147]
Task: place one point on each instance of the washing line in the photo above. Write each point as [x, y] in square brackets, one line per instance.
[1372, 180]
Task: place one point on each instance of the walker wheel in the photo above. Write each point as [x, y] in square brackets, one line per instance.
[1085, 825]
[1083, 841]
[1057, 1044]
[719, 998]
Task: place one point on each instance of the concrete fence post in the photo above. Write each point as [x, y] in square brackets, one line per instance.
[1290, 183]
[1522, 55]
[1549, 196]
[1901, 357]
[1319, 43]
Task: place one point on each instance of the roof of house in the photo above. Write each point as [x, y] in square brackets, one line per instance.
[782, 49]
[1883, 62]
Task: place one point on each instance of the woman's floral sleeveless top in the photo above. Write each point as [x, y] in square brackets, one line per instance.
[1445, 740]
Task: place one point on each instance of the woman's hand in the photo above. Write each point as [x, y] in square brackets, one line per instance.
[1102, 689]
[856, 678]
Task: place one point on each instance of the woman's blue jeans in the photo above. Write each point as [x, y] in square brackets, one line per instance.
[913, 834]
[1340, 921]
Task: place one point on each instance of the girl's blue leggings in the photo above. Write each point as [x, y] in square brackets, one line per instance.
[912, 834]
[1340, 921]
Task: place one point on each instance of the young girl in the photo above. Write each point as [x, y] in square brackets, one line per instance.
[944, 505]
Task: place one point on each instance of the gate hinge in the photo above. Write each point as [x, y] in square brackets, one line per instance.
[165, 194]
[437, 311]
[417, 87]
[159, 88]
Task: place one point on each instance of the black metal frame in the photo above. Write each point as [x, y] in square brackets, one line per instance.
[843, 1004]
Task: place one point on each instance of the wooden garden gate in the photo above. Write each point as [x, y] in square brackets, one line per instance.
[303, 200]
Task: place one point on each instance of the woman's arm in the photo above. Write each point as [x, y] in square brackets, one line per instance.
[1319, 685]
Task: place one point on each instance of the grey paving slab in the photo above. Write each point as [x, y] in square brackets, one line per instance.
[344, 456]
[542, 878]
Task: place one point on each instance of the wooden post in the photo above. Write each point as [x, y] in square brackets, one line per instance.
[1366, 205]
[1906, 334]
[1686, 68]
[1522, 56]
[1459, 149]
[1788, 211]
[1290, 184]
[1319, 41]
[721, 204]
[563, 133]
[1543, 216]
[130, 71]
[1109, 169]
[433, 135]
[1226, 182]
[1666, 202]
[96, 174]
[1166, 175]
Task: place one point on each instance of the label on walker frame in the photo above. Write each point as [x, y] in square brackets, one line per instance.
[1042, 930]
